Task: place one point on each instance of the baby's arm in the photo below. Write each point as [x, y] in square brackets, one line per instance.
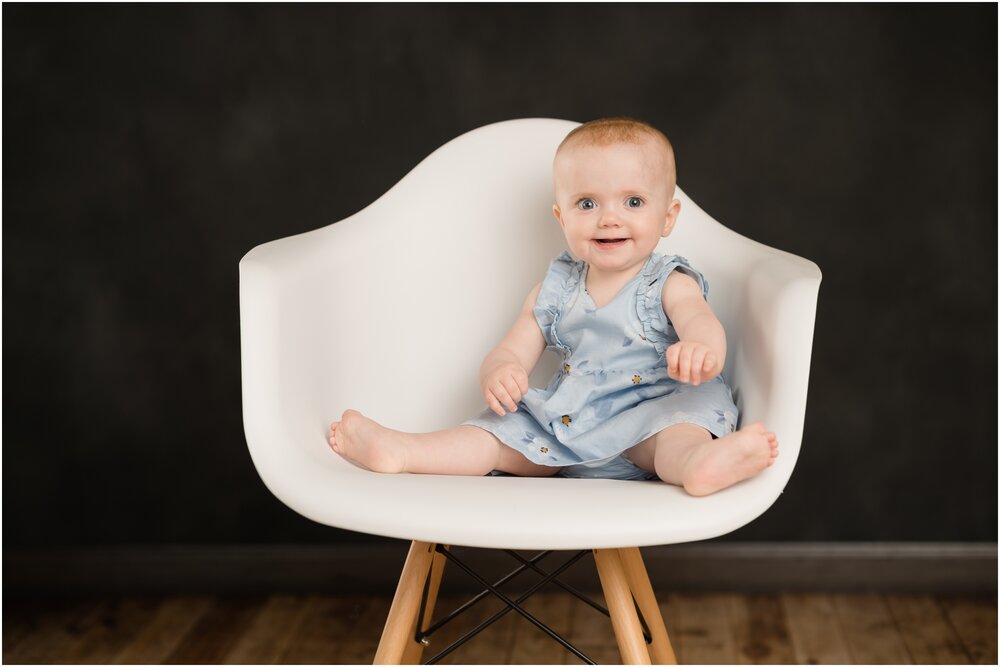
[701, 352]
[504, 373]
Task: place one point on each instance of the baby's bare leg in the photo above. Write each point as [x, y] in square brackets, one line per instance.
[463, 450]
[686, 455]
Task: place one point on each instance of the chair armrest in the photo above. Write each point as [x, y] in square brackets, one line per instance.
[771, 366]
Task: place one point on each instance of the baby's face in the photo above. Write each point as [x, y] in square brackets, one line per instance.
[615, 202]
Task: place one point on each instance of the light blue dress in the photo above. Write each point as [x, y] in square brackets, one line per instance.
[612, 391]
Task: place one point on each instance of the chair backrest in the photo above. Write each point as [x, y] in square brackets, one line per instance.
[392, 310]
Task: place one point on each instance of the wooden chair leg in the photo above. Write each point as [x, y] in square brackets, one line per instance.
[660, 650]
[401, 624]
[415, 650]
[624, 619]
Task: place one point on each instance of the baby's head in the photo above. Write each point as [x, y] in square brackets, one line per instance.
[614, 180]
[606, 132]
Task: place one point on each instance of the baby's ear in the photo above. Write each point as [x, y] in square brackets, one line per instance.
[671, 218]
[558, 214]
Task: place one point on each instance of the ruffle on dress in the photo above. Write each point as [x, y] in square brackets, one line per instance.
[656, 327]
[563, 276]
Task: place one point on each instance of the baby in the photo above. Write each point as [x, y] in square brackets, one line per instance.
[639, 394]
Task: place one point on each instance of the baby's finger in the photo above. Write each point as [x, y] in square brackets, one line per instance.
[709, 362]
[672, 352]
[494, 404]
[672, 363]
[513, 391]
[708, 368]
[503, 396]
[697, 362]
[684, 365]
[522, 381]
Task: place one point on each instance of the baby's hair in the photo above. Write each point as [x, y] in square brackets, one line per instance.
[621, 130]
[606, 131]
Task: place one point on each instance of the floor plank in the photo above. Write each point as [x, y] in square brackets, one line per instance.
[172, 620]
[531, 644]
[591, 632]
[814, 630]
[871, 633]
[269, 634]
[323, 631]
[367, 617]
[926, 631]
[760, 630]
[671, 618]
[216, 632]
[975, 622]
[490, 646]
[702, 629]
[46, 626]
[106, 630]
[448, 634]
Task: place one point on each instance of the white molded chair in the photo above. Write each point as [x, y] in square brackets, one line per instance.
[391, 312]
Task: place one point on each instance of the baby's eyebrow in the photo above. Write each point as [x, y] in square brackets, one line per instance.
[625, 192]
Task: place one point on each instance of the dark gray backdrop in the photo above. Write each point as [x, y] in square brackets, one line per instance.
[147, 148]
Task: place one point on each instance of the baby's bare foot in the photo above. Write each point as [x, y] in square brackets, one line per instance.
[367, 443]
[716, 464]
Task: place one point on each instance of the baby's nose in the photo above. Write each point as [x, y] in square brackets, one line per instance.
[610, 219]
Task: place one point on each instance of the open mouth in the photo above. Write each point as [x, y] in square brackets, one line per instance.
[610, 242]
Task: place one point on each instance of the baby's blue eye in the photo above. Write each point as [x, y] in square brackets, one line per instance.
[587, 204]
[633, 202]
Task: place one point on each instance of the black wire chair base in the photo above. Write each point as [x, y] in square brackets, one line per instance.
[423, 636]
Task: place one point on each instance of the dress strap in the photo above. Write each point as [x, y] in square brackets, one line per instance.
[559, 284]
[656, 326]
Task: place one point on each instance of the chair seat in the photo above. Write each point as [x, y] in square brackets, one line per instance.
[513, 512]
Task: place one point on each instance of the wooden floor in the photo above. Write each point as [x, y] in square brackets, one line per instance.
[704, 628]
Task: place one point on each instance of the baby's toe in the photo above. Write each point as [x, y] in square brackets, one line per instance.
[331, 439]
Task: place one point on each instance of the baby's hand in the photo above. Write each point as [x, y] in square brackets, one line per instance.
[688, 361]
[504, 386]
